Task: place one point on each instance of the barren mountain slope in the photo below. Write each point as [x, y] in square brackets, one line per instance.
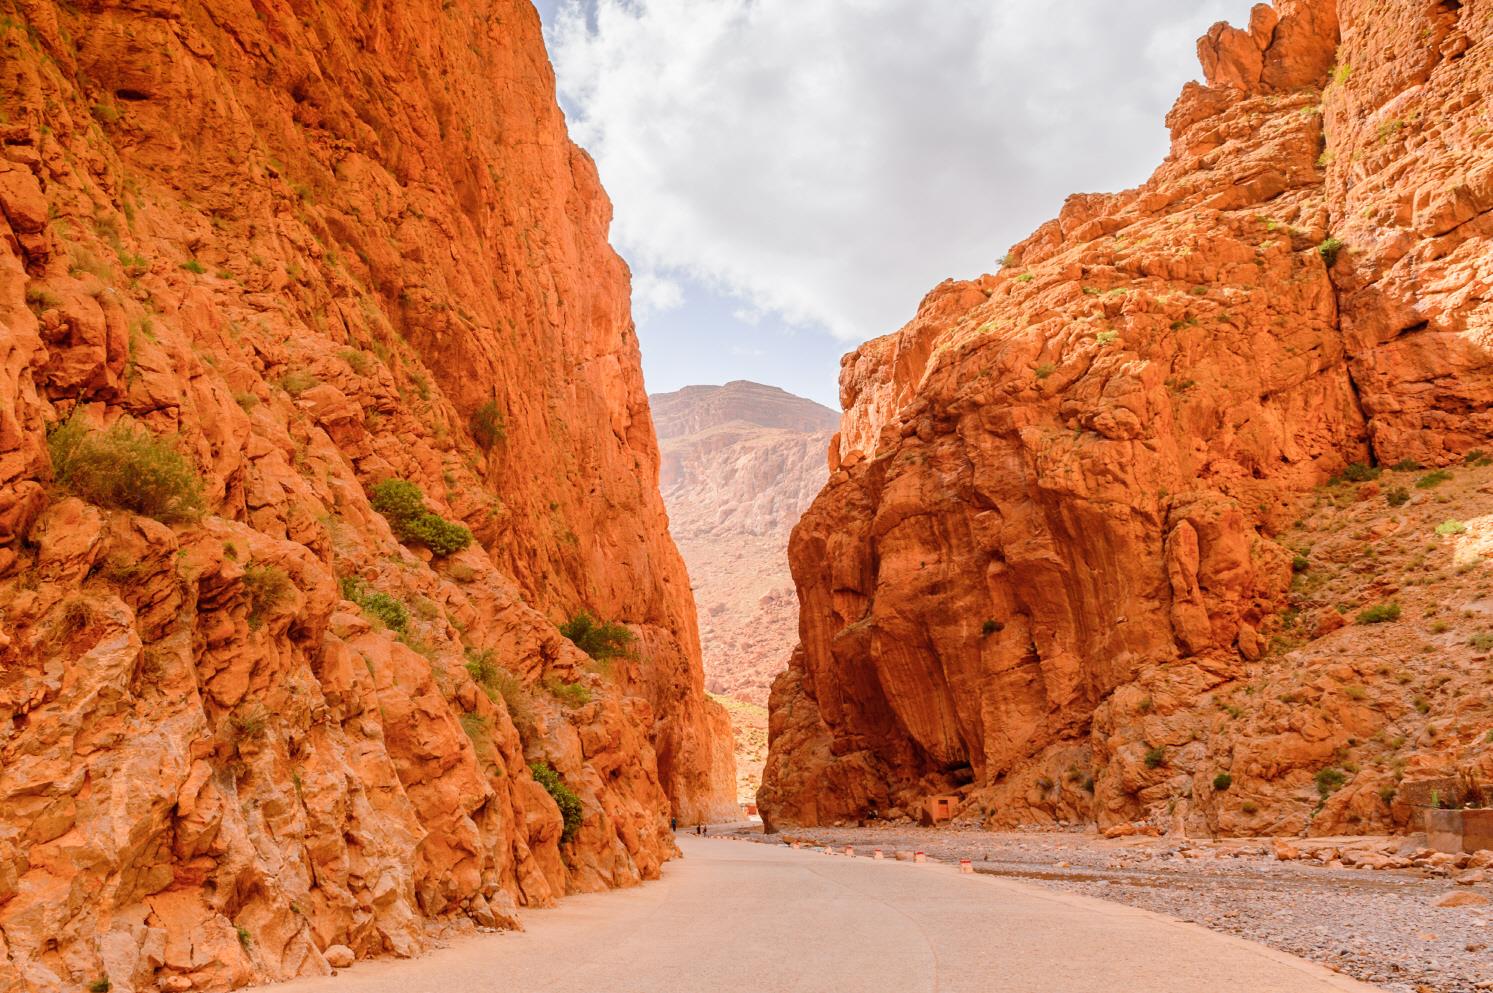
[741, 462]
[286, 253]
[1052, 569]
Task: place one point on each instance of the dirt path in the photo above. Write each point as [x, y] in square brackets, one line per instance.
[736, 916]
[1381, 927]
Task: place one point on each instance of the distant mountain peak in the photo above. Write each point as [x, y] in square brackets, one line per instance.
[698, 408]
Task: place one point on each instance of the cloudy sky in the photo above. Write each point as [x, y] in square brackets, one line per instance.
[791, 176]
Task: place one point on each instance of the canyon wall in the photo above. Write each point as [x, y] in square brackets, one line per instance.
[256, 260]
[741, 463]
[1051, 571]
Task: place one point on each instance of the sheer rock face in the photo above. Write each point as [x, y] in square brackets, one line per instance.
[1048, 543]
[306, 243]
[741, 463]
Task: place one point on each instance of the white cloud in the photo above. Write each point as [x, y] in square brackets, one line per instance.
[655, 294]
[831, 160]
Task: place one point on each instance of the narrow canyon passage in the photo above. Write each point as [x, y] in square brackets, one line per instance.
[774, 919]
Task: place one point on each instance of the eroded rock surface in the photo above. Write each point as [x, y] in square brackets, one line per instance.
[316, 247]
[1049, 572]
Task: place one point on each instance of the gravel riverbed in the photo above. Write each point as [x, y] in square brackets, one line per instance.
[1382, 927]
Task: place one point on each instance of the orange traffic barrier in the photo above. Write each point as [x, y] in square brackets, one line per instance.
[878, 854]
[850, 850]
[919, 857]
[966, 866]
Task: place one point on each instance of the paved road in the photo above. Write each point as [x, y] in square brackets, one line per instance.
[735, 917]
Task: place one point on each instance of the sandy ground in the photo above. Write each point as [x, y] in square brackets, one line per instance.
[1382, 927]
[734, 916]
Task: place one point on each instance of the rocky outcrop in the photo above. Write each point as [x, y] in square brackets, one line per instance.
[1050, 564]
[741, 463]
[311, 248]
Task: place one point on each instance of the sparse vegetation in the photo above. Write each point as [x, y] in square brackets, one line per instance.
[1106, 337]
[380, 606]
[1222, 782]
[250, 723]
[1448, 528]
[125, 467]
[1045, 369]
[1397, 496]
[298, 381]
[1360, 472]
[572, 695]
[194, 267]
[100, 985]
[244, 937]
[991, 626]
[402, 503]
[602, 640]
[39, 299]
[1329, 250]
[268, 587]
[1329, 780]
[487, 425]
[1432, 480]
[1155, 757]
[1482, 642]
[565, 799]
[1300, 563]
[358, 361]
[1379, 613]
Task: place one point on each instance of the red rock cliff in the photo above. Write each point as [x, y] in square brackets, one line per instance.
[1048, 570]
[313, 247]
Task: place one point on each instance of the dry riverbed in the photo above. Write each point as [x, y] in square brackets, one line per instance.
[1380, 926]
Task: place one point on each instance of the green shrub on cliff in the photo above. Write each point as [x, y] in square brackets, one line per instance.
[567, 801]
[602, 640]
[125, 467]
[487, 425]
[402, 503]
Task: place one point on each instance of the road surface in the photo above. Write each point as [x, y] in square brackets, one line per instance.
[748, 918]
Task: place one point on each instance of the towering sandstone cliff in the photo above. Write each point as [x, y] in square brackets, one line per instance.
[1052, 569]
[314, 247]
[741, 463]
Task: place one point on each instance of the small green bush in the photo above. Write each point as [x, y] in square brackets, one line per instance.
[268, 587]
[1448, 528]
[358, 361]
[487, 425]
[1397, 497]
[1106, 337]
[1477, 457]
[125, 467]
[1045, 369]
[1329, 781]
[100, 985]
[1482, 642]
[1432, 479]
[1300, 563]
[1222, 782]
[1155, 757]
[572, 695]
[404, 505]
[194, 267]
[380, 606]
[475, 726]
[481, 667]
[1379, 613]
[567, 801]
[1329, 250]
[991, 626]
[602, 640]
[1406, 465]
[1359, 472]
[298, 381]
